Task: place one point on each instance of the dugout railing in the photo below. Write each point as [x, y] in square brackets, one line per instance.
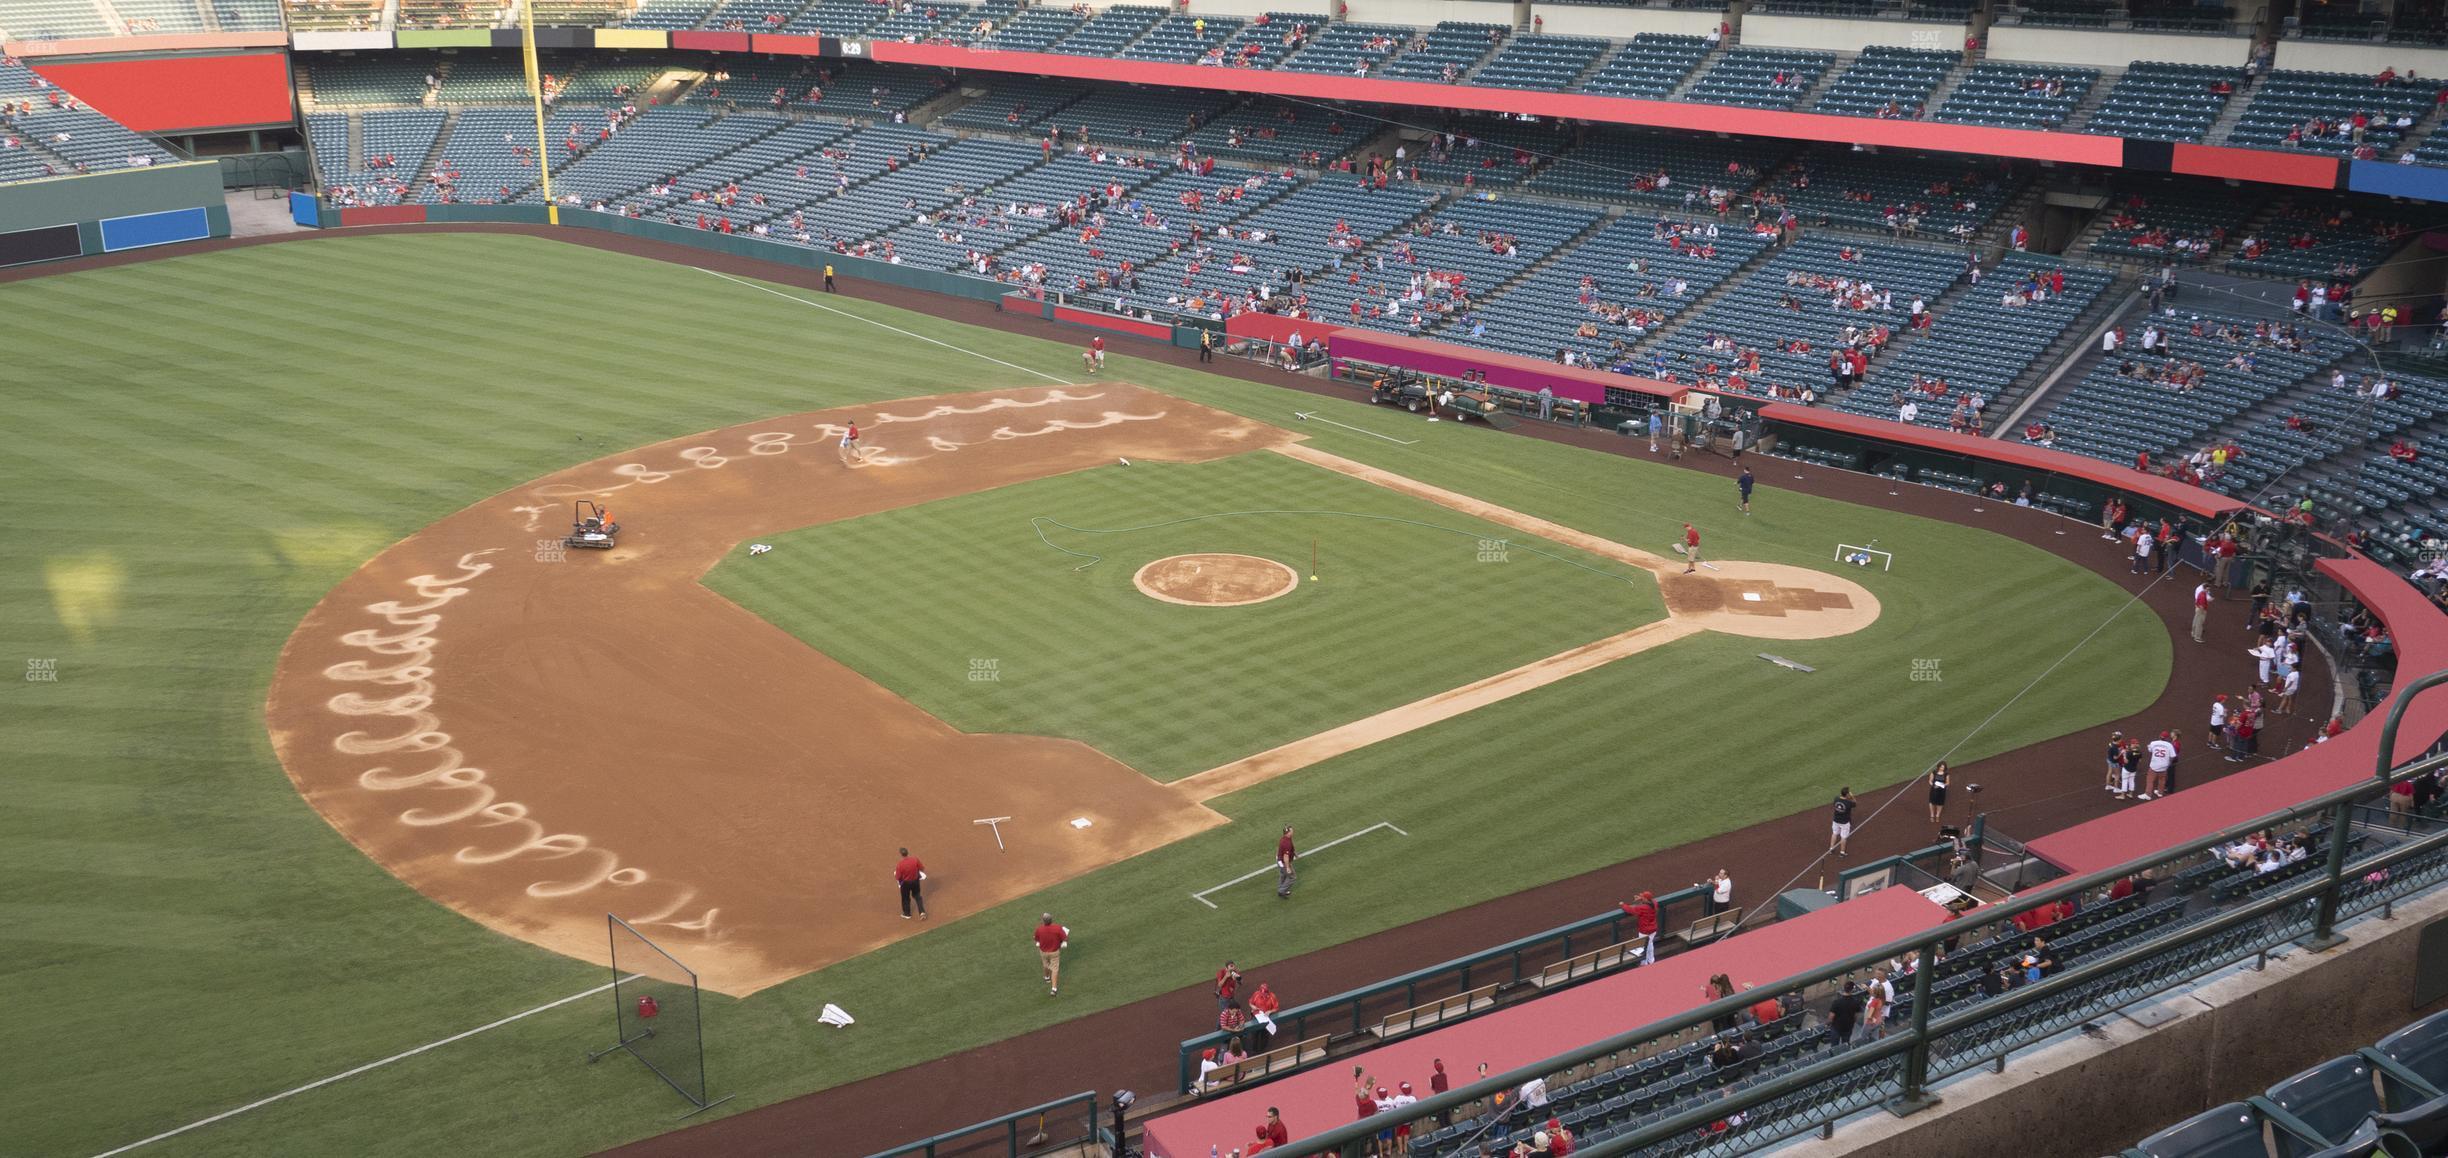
[2364, 861]
[1054, 1127]
[1516, 964]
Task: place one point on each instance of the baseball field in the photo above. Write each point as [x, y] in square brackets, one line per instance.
[323, 751]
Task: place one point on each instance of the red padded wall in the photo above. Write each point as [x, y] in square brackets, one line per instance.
[161, 94]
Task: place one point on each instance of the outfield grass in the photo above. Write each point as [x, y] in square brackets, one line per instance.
[1415, 605]
[196, 449]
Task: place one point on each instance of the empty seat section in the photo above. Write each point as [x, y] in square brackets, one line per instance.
[1761, 78]
[2315, 112]
[1269, 37]
[1186, 39]
[1649, 67]
[1980, 343]
[1109, 31]
[2172, 221]
[2018, 96]
[1348, 49]
[1887, 82]
[1280, 131]
[2158, 101]
[1429, 274]
[1550, 63]
[1796, 311]
[1446, 53]
[1619, 284]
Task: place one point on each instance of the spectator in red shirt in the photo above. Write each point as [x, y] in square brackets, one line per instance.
[911, 874]
[1764, 1010]
[1227, 984]
[1643, 911]
[1050, 939]
[1276, 1133]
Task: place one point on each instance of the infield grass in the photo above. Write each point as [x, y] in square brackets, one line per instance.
[195, 449]
[1421, 600]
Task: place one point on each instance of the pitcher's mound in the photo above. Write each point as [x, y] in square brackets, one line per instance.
[1216, 580]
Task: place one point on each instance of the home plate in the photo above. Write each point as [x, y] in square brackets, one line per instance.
[1081, 822]
[1751, 596]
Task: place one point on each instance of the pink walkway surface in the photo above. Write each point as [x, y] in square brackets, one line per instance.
[2421, 634]
[1320, 1099]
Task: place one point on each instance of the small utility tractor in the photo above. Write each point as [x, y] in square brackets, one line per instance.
[591, 526]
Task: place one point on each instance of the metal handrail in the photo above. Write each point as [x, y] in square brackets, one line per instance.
[1354, 1002]
[1010, 1123]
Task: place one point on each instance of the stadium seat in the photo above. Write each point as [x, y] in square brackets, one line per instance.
[2422, 1048]
[2331, 1098]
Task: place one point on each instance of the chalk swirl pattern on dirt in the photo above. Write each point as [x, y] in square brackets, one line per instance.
[772, 442]
[410, 649]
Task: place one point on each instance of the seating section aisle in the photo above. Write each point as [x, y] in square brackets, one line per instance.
[1550, 63]
[391, 78]
[2158, 101]
[1349, 49]
[1111, 30]
[1155, 222]
[2322, 240]
[1001, 216]
[1185, 39]
[2155, 402]
[1981, 343]
[1447, 52]
[2018, 96]
[1653, 169]
[1779, 329]
[2171, 221]
[1303, 233]
[395, 144]
[1603, 296]
[1887, 82]
[1485, 153]
[1016, 104]
[1932, 196]
[1269, 37]
[1761, 78]
[1280, 131]
[1429, 274]
[2316, 111]
[1648, 67]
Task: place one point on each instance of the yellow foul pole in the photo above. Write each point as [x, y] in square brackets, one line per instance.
[535, 97]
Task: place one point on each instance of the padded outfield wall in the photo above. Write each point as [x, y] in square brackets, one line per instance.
[52, 218]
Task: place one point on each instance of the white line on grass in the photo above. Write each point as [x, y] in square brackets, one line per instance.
[401, 1056]
[1314, 416]
[1201, 895]
[883, 326]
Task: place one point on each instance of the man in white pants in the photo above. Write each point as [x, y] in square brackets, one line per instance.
[2162, 757]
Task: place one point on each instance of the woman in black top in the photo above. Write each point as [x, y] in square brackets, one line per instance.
[1937, 793]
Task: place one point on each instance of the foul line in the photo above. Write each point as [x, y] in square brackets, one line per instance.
[401, 1056]
[883, 326]
[1201, 895]
[1314, 416]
